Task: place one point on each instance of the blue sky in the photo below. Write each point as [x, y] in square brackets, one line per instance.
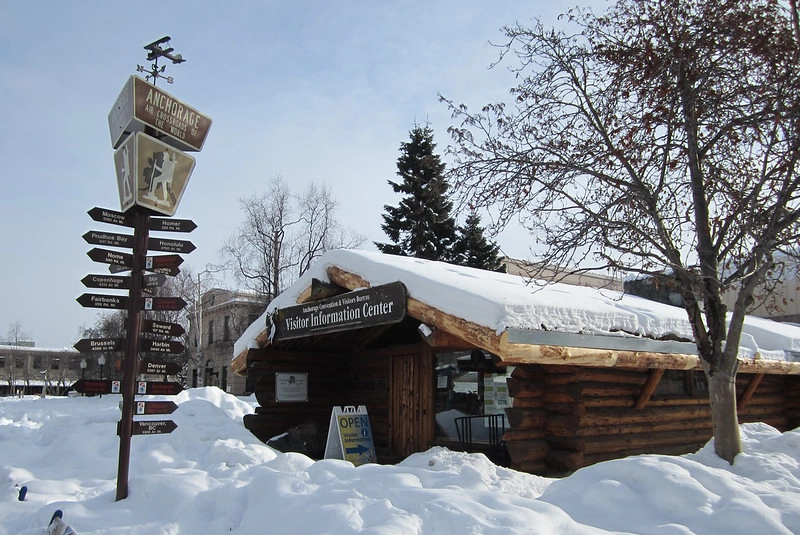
[308, 90]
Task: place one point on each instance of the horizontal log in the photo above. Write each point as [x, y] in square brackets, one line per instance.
[523, 434]
[518, 388]
[533, 467]
[524, 451]
[564, 460]
[520, 417]
[631, 441]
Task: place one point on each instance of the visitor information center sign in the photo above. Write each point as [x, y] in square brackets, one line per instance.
[379, 305]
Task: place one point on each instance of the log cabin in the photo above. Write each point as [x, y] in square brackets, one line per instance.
[542, 378]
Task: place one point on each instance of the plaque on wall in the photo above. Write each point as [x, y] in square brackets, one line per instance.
[291, 386]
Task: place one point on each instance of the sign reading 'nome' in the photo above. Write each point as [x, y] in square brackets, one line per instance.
[379, 305]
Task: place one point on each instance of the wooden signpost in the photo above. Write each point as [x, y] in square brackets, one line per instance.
[149, 135]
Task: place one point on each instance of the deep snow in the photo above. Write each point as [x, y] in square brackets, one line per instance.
[212, 476]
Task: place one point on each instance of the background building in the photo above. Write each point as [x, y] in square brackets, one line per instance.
[214, 325]
[26, 369]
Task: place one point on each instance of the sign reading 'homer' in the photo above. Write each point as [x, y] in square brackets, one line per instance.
[151, 174]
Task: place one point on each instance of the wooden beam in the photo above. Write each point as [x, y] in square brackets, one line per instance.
[747, 395]
[649, 387]
[477, 335]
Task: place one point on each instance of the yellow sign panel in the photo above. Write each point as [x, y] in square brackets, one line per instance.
[350, 436]
[151, 174]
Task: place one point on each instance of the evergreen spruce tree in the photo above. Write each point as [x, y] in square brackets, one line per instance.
[472, 249]
[421, 225]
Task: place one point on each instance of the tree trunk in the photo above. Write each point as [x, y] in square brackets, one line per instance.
[722, 394]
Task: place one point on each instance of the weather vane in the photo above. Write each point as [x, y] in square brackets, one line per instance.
[155, 50]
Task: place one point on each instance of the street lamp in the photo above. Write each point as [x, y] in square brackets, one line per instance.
[83, 368]
[101, 361]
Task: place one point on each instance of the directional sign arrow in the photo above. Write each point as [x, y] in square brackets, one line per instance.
[103, 301]
[90, 345]
[163, 303]
[153, 280]
[115, 268]
[93, 386]
[111, 217]
[110, 282]
[162, 261]
[170, 271]
[161, 346]
[155, 407]
[155, 427]
[162, 327]
[170, 246]
[158, 388]
[172, 225]
[108, 238]
[111, 257]
[163, 368]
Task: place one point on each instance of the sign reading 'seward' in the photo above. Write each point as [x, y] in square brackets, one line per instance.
[379, 305]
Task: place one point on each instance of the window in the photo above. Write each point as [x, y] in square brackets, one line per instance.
[226, 329]
[37, 363]
[210, 332]
[55, 364]
[19, 362]
[2, 361]
[682, 383]
[468, 384]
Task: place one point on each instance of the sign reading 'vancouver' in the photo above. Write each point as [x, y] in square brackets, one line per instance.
[379, 305]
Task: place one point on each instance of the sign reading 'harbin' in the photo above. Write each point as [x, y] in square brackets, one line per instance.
[141, 104]
[379, 305]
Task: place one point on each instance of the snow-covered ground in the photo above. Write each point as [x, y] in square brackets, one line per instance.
[212, 476]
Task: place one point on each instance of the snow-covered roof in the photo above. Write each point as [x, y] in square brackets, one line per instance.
[503, 303]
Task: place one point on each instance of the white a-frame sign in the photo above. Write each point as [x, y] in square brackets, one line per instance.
[350, 436]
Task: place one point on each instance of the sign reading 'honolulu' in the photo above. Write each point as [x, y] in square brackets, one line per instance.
[379, 305]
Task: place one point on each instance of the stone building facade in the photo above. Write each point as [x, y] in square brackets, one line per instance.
[214, 326]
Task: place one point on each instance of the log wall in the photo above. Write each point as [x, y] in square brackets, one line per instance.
[566, 417]
[395, 384]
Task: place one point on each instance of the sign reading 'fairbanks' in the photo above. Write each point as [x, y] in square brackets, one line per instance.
[141, 104]
[379, 305]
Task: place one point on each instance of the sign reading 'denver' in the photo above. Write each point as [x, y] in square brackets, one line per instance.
[379, 305]
[151, 174]
[141, 104]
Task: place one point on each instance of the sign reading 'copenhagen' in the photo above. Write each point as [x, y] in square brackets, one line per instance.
[379, 305]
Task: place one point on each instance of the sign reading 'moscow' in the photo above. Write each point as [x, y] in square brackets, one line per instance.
[379, 305]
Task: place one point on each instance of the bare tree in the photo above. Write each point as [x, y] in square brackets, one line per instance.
[281, 234]
[16, 334]
[662, 135]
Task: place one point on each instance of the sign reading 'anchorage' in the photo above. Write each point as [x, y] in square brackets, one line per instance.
[379, 305]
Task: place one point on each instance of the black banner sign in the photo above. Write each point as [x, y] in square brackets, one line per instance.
[110, 282]
[162, 368]
[162, 327]
[111, 217]
[379, 305]
[155, 407]
[108, 238]
[158, 388]
[155, 427]
[91, 345]
[103, 301]
[172, 225]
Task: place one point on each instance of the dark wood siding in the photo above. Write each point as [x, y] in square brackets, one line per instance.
[567, 417]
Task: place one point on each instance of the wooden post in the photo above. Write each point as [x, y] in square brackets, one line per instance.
[141, 220]
[649, 387]
[750, 390]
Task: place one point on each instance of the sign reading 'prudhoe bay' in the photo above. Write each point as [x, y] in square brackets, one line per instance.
[379, 305]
